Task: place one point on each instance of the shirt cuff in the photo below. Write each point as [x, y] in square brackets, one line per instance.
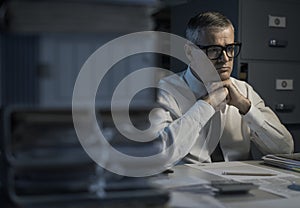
[254, 117]
[210, 110]
[203, 111]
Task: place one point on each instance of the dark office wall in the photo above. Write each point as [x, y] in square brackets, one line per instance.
[1, 162]
[18, 82]
[19, 67]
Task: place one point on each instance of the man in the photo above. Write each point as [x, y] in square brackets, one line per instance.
[241, 123]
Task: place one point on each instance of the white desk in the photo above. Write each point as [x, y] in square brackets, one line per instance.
[255, 198]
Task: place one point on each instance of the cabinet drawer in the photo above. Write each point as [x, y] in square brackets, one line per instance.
[279, 85]
[269, 29]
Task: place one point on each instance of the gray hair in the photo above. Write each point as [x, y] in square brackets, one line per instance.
[205, 21]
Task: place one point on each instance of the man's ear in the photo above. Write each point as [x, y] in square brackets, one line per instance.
[188, 51]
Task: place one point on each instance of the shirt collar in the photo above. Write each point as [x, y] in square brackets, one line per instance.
[195, 84]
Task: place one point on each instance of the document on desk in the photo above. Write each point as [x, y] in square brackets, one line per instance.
[238, 170]
[192, 200]
[172, 183]
[268, 180]
[188, 191]
[274, 203]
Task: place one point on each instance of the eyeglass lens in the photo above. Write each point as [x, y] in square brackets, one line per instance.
[214, 52]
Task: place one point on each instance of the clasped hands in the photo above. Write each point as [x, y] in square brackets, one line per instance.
[225, 92]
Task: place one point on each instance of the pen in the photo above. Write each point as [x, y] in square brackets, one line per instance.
[248, 174]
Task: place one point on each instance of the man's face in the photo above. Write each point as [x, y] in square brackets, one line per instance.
[221, 37]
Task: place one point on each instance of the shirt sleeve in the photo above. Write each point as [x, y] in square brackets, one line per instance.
[267, 132]
[180, 129]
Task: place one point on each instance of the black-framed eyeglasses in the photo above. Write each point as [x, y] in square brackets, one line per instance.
[214, 52]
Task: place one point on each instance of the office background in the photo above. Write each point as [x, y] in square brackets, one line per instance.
[43, 45]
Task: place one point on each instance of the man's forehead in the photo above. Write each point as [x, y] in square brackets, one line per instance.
[214, 32]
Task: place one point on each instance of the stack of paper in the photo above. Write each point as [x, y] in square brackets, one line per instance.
[286, 161]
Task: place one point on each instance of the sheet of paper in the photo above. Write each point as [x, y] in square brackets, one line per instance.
[219, 168]
[167, 182]
[275, 203]
[190, 200]
[276, 184]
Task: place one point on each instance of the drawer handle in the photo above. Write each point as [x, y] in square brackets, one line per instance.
[284, 107]
[278, 43]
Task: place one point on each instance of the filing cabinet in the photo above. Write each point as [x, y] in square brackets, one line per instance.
[269, 58]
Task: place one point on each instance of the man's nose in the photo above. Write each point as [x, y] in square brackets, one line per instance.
[224, 56]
